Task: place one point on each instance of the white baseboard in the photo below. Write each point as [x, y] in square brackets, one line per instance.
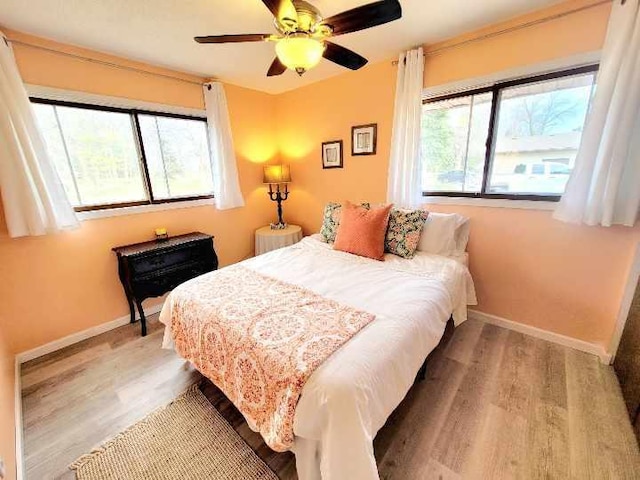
[592, 348]
[83, 335]
[18, 421]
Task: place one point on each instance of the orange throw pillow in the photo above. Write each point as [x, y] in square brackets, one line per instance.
[362, 231]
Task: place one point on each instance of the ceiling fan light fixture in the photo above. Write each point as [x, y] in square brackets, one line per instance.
[299, 52]
[304, 34]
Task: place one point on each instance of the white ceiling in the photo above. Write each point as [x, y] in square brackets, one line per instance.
[161, 32]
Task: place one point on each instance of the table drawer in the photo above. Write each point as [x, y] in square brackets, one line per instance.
[162, 281]
[160, 260]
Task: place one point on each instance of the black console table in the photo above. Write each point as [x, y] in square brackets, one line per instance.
[151, 269]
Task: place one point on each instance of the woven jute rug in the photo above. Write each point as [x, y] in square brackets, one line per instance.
[187, 439]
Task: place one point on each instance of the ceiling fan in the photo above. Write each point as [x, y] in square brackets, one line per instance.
[302, 38]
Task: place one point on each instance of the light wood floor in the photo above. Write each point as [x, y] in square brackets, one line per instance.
[495, 404]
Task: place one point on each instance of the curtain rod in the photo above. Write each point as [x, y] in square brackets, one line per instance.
[100, 62]
[516, 28]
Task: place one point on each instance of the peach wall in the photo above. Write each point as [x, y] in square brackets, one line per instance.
[7, 412]
[580, 32]
[334, 106]
[528, 267]
[64, 283]
[562, 278]
[42, 67]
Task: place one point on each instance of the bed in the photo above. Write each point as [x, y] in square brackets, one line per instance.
[349, 396]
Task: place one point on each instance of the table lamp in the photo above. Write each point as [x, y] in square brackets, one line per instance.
[277, 175]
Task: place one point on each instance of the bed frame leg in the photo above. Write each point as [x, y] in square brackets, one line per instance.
[446, 336]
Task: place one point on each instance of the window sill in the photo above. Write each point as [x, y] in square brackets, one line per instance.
[138, 209]
[492, 202]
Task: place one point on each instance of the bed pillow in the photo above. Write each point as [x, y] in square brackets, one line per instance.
[403, 233]
[463, 229]
[444, 234]
[362, 231]
[331, 220]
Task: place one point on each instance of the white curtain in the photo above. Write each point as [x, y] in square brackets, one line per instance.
[226, 186]
[604, 188]
[405, 169]
[33, 197]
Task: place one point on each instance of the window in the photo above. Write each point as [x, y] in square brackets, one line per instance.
[559, 169]
[454, 132]
[513, 140]
[177, 156]
[109, 157]
[537, 169]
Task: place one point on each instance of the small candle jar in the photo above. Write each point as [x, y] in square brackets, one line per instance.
[161, 234]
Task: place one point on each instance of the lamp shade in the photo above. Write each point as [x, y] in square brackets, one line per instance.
[276, 174]
[299, 52]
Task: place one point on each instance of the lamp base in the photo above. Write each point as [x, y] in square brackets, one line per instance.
[279, 196]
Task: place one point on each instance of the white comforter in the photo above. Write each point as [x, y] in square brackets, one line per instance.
[349, 397]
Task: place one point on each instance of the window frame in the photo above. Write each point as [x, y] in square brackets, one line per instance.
[142, 159]
[495, 90]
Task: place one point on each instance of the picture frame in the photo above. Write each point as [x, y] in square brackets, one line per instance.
[332, 156]
[364, 139]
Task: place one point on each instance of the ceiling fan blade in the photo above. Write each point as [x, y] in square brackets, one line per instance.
[276, 68]
[343, 56]
[366, 16]
[282, 10]
[257, 37]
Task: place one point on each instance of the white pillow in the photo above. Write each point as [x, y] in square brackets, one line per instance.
[462, 234]
[444, 234]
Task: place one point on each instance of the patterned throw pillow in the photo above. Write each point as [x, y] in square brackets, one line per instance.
[331, 221]
[403, 234]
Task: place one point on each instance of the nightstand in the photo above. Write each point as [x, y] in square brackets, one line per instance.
[267, 239]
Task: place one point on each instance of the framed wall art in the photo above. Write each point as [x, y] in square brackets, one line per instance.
[364, 139]
[332, 154]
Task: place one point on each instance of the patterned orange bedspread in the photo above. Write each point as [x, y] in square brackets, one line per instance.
[259, 340]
